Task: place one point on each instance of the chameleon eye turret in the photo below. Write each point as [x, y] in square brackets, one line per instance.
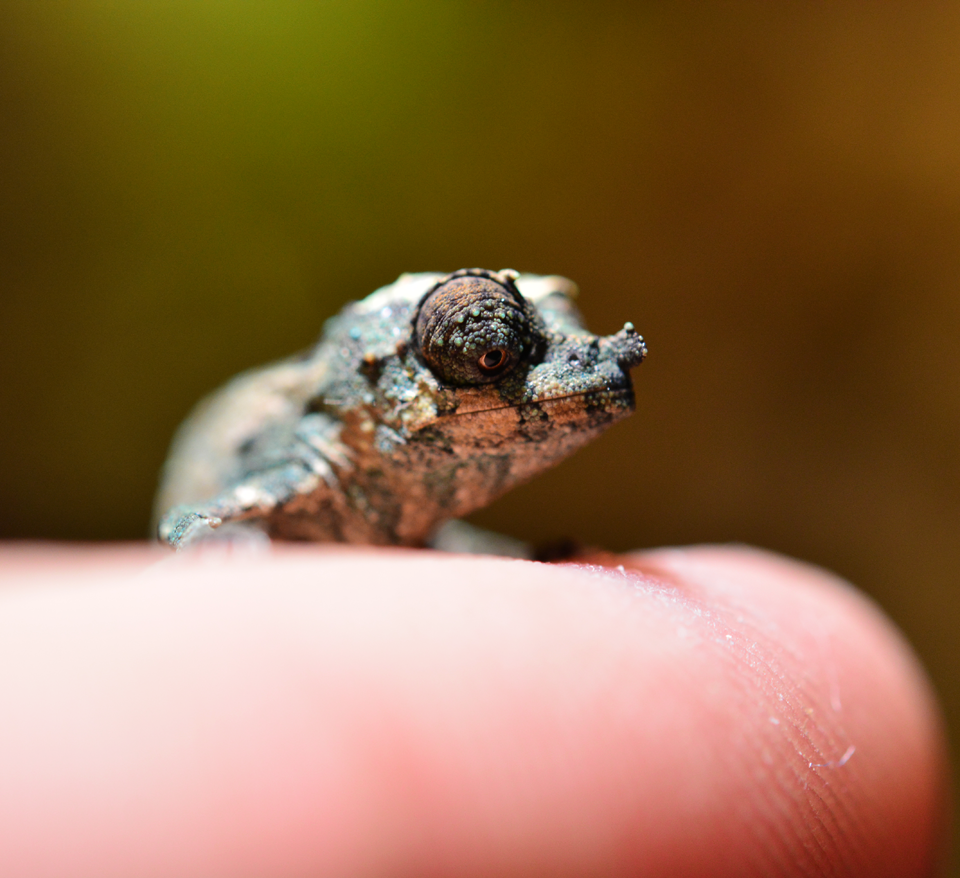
[420, 403]
[474, 327]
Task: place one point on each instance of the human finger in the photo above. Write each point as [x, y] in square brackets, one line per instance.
[709, 712]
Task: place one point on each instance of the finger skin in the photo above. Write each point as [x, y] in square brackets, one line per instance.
[709, 711]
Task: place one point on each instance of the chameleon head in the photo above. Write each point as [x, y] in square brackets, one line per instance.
[493, 348]
[495, 380]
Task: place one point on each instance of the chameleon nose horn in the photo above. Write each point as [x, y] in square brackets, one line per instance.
[626, 347]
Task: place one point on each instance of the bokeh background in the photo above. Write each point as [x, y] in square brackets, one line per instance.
[770, 192]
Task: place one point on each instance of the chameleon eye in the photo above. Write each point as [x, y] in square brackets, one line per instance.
[472, 329]
[492, 360]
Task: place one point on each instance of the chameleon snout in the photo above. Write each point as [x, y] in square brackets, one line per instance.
[626, 347]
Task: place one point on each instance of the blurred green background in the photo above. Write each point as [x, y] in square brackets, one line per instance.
[771, 193]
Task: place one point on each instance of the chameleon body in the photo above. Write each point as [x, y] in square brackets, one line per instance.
[419, 404]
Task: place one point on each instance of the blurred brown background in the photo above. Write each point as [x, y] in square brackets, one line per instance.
[771, 193]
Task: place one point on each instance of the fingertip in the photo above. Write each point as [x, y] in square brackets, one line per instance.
[704, 711]
[861, 727]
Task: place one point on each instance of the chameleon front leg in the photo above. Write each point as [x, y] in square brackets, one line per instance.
[463, 538]
[242, 508]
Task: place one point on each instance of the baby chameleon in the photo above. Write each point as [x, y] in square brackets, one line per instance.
[421, 403]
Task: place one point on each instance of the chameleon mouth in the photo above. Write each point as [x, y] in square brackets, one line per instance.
[621, 398]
